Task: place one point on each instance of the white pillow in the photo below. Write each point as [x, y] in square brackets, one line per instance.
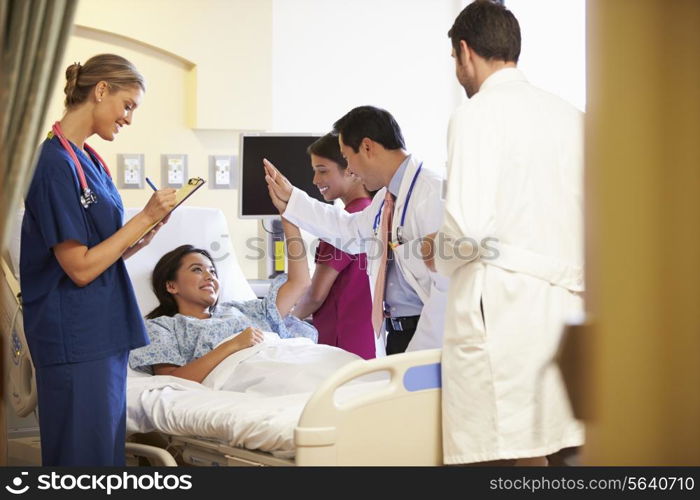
[204, 228]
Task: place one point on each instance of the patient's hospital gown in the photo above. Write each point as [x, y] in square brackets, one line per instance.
[179, 339]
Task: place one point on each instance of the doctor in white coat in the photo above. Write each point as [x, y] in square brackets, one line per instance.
[515, 165]
[415, 297]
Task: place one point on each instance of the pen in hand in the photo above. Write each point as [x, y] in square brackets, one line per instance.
[150, 183]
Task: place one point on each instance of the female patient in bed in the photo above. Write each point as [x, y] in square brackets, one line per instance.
[191, 334]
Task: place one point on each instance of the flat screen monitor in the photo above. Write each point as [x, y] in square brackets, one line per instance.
[288, 153]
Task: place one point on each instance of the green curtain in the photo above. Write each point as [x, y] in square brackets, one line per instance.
[33, 35]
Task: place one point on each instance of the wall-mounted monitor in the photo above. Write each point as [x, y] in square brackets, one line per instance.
[288, 153]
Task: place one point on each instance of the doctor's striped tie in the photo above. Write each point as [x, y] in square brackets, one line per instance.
[385, 238]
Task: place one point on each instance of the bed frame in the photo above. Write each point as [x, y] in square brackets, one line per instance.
[398, 424]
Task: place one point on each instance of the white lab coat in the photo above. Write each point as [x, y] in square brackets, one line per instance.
[354, 233]
[515, 171]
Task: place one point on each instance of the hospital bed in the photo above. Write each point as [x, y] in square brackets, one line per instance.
[392, 421]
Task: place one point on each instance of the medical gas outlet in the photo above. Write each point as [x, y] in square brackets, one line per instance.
[174, 170]
[221, 172]
[130, 171]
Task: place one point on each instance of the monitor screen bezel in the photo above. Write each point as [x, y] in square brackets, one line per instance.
[240, 166]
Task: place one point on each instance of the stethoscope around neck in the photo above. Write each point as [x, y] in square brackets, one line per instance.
[87, 197]
[399, 228]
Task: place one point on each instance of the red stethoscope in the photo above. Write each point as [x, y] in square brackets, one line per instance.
[87, 197]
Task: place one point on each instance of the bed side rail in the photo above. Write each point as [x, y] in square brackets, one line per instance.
[155, 456]
[398, 422]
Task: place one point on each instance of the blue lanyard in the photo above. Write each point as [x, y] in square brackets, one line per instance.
[377, 218]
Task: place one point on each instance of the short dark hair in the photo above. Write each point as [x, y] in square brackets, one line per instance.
[166, 270]
[328, 147]
[374, 123]
[490, 29]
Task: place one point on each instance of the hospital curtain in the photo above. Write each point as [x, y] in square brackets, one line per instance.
[33, 36]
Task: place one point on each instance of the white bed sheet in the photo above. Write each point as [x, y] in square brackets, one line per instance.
[271, 383]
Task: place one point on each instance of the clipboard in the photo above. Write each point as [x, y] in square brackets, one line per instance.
[192, 185]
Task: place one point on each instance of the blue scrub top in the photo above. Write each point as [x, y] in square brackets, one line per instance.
[63, 322]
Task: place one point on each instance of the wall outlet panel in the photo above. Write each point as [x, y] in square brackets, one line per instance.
[222, 172]
[173, 170]
[130, 171]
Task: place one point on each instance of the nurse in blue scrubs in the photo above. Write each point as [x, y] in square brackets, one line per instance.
[80, 312]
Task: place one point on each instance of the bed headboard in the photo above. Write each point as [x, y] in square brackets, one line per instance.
[204, 228]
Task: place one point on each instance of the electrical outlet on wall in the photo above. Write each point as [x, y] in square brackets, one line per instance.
[130, 171]
[221, 172]
[174, 170]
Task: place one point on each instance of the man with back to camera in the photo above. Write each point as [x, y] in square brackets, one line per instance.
[515, 166]
[408, 299]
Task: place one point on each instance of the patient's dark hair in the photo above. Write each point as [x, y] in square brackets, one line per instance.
[166, 270]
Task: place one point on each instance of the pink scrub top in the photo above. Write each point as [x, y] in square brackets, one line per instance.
[344, 319]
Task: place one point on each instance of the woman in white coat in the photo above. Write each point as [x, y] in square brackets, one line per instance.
[515, 175]
[417, 212]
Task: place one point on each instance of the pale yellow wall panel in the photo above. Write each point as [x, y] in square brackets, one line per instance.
[228, 41]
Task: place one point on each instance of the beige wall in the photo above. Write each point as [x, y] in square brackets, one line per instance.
[215, 68]
[207, 66]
